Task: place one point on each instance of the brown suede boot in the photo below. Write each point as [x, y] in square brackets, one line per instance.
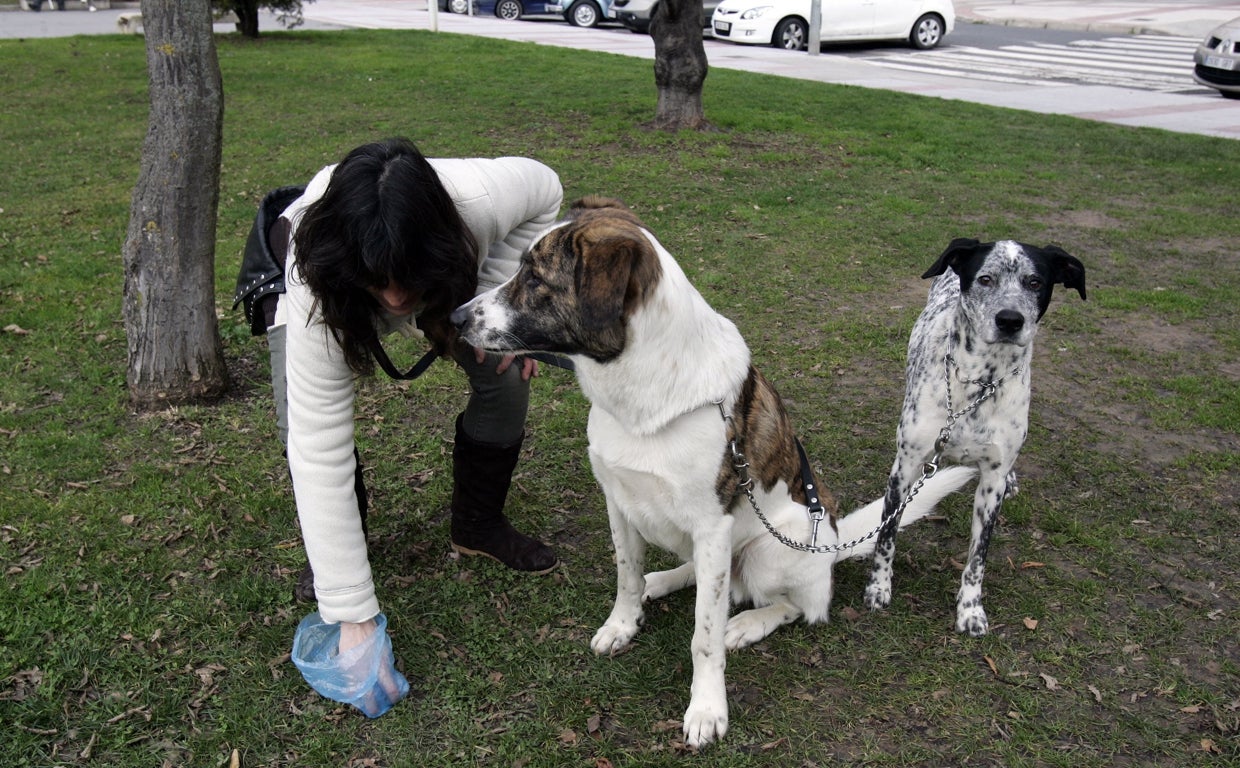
[303, 590]
[482, 473]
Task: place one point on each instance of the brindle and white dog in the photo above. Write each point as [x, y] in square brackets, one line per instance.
[967, 390]
[661, 369]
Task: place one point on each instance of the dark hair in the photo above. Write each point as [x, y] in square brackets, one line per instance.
[384, 219]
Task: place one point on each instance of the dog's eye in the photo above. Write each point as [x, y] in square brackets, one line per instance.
[986, 280]
[533, 282]
[1034, 283]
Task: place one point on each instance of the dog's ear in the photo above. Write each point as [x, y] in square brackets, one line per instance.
[597, 205]
[592, 202]
[615, 272]
[958, 251]
[1066, 269]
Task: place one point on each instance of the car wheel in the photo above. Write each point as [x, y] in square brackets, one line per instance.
[927, 32]
[508, 10]
[583, 13]
[790, 34]
[458, 6]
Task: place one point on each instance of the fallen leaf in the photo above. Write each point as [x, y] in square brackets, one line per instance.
[849, 613]
[1190, 710]
[991, 662]
[568, 736]
[1032, 564]
[16, 330]
[1097, 693]
[1031, 623]
[1051, 683]
[1208, 745]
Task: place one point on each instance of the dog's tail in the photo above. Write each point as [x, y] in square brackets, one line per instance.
[865, 520]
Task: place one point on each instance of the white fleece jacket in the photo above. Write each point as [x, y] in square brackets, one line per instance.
[505, 203]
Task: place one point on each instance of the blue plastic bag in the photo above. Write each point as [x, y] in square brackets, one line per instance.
[364, 676]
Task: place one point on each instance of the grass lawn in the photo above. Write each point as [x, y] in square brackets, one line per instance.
[146, 610]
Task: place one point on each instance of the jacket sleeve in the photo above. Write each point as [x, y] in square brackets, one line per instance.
[506, 203]
[320, 451]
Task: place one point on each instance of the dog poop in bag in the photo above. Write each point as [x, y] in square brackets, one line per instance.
[365, 676]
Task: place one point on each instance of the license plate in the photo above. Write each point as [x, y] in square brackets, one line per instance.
[723, 27]
[1218, 62]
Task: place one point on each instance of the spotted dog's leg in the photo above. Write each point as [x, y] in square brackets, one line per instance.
[878, 590]
[626, 615]
[970, 615]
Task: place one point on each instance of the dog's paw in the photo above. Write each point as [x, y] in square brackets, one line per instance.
[1013, 485]
[613, 636]
[705, 722]
[748, 627]
[662, 583]
[972, 621]
[877, 595]
[743, 631]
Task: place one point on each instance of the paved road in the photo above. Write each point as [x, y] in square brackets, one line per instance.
[1189, 111]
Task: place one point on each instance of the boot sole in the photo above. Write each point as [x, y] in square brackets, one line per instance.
[457, 548]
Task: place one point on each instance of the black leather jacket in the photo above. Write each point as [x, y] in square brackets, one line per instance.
[262, 263]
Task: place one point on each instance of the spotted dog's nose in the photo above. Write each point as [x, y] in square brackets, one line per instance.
[459, 316]
[1009, 322]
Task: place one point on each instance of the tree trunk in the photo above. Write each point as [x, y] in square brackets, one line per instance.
[247, 17]
[175, 355]
[679, 65]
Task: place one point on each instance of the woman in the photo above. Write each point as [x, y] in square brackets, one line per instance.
[389, 241]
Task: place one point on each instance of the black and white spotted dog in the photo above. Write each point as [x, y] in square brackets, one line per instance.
[967, 391]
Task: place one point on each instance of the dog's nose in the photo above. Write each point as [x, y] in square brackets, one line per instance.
[458, 317]
[1009, 321]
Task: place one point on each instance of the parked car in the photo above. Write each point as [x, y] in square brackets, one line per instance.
[581, 13]
[636, 14]
[505, 9]
[785, 23]
[1217, 60]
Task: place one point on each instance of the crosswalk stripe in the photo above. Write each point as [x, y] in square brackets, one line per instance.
[1146, 62]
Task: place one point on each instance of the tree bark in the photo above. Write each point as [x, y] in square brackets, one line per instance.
[679, 65]
[174, 350]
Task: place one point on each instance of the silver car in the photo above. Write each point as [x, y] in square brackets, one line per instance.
[636, 14]
[1218, 60]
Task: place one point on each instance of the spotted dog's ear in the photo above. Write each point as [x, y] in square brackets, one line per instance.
[958, 251]
[1067, 270]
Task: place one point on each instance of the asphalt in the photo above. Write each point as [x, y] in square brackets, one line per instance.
[1189, 113]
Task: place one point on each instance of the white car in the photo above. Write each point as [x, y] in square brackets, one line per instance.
[785, 23]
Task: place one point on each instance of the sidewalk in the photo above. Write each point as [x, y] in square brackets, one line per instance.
[1165, 17]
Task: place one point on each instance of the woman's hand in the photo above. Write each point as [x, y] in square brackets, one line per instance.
[353, 635]
[391, 685]
[529, 366]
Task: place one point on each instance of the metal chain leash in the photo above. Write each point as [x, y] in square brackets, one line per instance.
[928, 470]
